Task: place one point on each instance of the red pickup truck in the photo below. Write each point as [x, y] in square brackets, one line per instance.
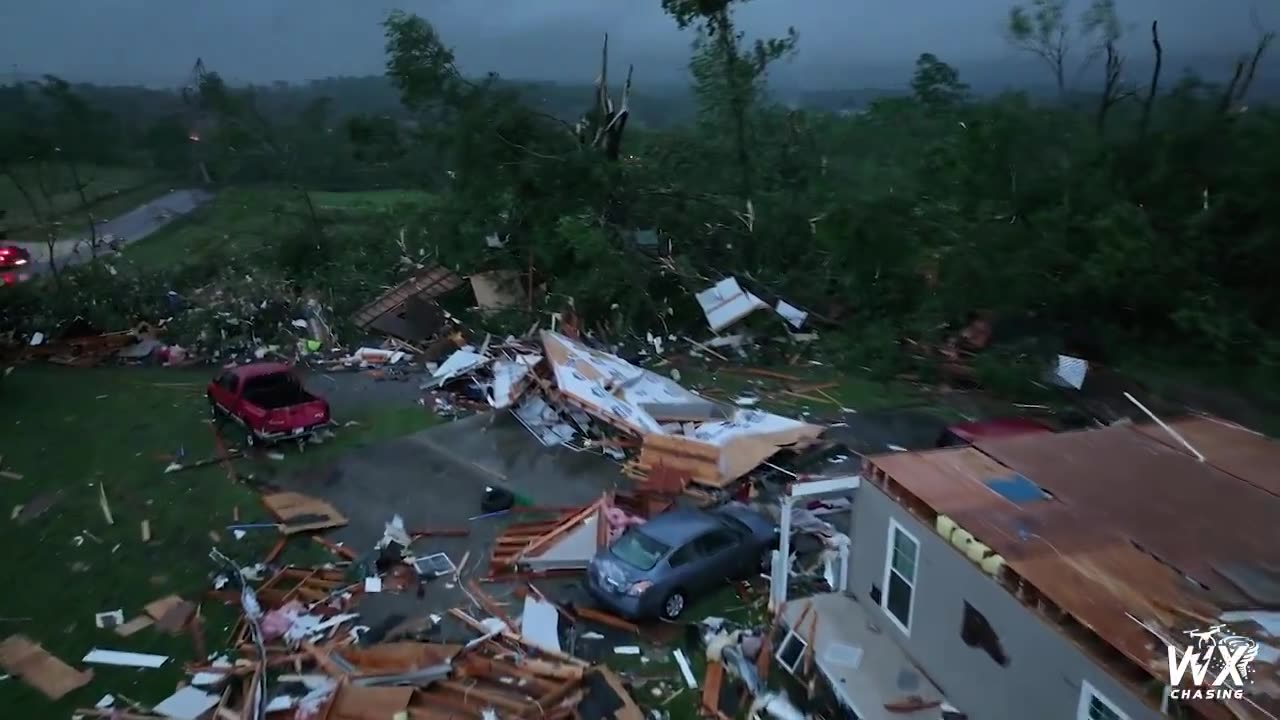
[268, 400]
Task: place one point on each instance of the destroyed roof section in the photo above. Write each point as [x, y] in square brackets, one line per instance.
[1063, 557]
[1058, 557]
[432, 283]
[713, 453]
[1237, 451]
[609, 387]
[753, 437]
[1184, 512]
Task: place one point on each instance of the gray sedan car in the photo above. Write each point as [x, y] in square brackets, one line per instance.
[657, 569]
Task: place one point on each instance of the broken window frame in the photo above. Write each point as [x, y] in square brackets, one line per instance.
[895, 529]
[1088, 694]
[779, 655]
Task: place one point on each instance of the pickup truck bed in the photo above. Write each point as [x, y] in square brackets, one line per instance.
[268, 401]
[272, 392]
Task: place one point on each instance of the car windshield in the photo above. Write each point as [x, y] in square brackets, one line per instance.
[639, 550]
[735, 524]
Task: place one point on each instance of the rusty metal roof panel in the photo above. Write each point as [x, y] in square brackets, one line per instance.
[1235, 450]
[1186, 513]
[1079, 550]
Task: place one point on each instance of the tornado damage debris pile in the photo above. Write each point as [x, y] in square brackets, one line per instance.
[567, 612]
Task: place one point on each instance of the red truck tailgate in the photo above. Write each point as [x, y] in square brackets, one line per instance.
[297, 417]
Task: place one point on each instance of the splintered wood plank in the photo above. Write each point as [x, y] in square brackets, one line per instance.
[438, 701]
[588, 512]
[555, 697]
[370, 703]
[470, 690]
[711, 681]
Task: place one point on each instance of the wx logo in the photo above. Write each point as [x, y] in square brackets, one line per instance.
[1222, 659]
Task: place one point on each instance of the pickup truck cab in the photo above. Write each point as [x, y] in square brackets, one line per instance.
[268, 401]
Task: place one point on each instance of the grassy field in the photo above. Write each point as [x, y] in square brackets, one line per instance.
[367, 200]
[102, 184]
[243, 218]
[73, 433]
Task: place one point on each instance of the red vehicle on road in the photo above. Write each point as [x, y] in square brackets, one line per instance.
[268, 401]
[13, 256]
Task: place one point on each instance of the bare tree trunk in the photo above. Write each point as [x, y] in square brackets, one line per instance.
[1060, 63]
[1111, 92]
[84, 204]
[1224, 105]
[1263, 43]
[1144, 121]
[50, 232]
[41, 221]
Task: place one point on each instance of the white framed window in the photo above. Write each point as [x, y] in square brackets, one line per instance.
[1095, 706]
[791, 651]
[902, 555]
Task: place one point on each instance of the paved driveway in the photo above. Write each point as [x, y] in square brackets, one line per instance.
[436, 478]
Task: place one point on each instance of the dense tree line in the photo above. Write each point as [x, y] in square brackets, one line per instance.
[1137, 214]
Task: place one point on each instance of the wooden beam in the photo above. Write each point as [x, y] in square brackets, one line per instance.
[488, 696]
[564, 527]
[553, 698]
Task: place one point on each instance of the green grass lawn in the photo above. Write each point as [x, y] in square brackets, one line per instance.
[368, 199]
[70, 432]
[244, 218]
[101, 185]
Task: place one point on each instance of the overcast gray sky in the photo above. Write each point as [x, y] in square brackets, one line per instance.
[842, 42]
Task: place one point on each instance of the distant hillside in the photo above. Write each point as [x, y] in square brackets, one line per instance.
[664, 105]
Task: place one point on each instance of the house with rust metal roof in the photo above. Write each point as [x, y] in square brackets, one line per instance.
[1055, 576]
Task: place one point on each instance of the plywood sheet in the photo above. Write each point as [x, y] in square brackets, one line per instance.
[302, 513]
[26, 660]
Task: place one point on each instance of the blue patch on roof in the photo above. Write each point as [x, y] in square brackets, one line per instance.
[1017, 488]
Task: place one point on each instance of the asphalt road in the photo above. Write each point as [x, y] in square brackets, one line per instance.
[136, 224]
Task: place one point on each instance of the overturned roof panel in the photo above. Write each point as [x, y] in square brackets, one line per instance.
[428, 284]
[610, 387]
[714, 453]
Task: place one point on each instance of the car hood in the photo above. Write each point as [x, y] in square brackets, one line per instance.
[614, 574]
[761, 525]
